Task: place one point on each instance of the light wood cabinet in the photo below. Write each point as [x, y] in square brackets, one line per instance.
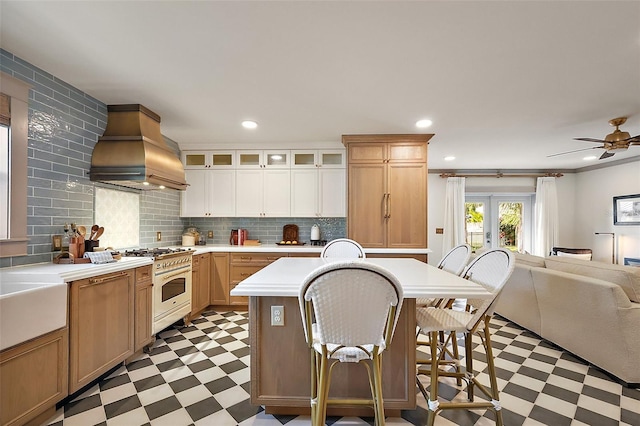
[143, 331]
[211, 193]
[219, 279]
[200, 285]
[243, 265]
[34, 377]
[101, 325]
[387, 190]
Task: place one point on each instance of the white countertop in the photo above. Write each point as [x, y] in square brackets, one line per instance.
[285, 276]
[55, 273]
[274, 248]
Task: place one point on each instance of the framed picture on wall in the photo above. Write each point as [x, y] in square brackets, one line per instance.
[626, 210]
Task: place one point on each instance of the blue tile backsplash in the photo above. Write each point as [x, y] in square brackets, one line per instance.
[64, 126]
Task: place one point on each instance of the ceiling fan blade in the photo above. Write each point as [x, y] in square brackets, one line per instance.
[633, 139]
[577, 150]
[589, 140]
[606, 154]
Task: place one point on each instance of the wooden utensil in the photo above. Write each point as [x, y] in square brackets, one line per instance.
[94, 229]
[100, 232]
[82, 231]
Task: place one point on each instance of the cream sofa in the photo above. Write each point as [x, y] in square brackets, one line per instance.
[589, 308]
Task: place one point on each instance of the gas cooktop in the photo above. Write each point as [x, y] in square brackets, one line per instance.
[155, 252]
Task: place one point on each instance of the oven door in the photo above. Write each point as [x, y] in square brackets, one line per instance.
[172, 295]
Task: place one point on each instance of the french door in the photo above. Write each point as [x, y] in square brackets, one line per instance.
[499, 221]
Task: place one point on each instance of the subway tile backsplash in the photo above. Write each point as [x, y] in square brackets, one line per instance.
[64, 126]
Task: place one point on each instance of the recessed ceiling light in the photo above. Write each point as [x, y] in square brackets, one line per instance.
[423, 123]
[449, 158]
[248, 124]
[589, 158]
[161, 187]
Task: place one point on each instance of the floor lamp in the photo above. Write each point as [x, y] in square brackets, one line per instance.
[613, 245]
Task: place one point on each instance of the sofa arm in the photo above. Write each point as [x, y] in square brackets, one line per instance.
[591, 318]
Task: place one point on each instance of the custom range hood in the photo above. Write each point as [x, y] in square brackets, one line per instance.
[133, 153]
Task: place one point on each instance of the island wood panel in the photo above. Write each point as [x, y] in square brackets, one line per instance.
[280, 362]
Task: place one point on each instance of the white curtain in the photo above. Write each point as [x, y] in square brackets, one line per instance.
[454, 221]
[546, 217]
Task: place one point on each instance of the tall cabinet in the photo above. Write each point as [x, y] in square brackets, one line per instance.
[387, 190]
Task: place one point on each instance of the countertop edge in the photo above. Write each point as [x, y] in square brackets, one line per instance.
[273, 248]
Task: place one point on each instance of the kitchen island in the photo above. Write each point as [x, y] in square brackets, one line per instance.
[280, 369]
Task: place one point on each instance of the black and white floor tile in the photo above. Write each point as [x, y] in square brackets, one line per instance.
[199, 375]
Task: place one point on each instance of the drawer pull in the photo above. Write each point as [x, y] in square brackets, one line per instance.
[245, 274]
[108, 278]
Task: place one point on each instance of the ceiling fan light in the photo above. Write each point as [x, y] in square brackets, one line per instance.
[617, 136]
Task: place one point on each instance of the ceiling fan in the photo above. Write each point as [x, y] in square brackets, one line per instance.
[616, 141]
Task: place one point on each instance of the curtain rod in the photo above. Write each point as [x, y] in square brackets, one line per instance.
[500, 175]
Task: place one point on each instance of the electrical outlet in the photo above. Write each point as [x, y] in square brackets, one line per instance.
[209, 234]
[277, 316]
[158, 236]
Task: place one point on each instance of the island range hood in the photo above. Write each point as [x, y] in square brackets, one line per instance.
[132, 152]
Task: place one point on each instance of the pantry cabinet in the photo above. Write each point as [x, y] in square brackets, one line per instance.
[143, 332]
[101, 325]
[211, 193]
[387, 190]
[200, 286]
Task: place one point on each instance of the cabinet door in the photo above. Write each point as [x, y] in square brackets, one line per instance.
[277, 193]
[331, 192]
[304, 192]
[194, 200]
[375, 153]
[249, 193]
[195, 160]
[365, 219]
[219, 279]
[101, 326]
[222, 194]
[200, 283]
[407, 205]
[407, 152]
[143, 307]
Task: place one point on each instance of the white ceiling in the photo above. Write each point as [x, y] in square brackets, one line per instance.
[505, 83]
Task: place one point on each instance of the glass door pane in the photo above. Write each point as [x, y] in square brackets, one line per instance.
[510, 222]
[475, 224]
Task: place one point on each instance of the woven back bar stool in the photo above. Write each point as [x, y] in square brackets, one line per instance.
[349, 311]
[491, 269]
[343, 248]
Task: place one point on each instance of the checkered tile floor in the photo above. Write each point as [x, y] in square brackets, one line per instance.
[199, 375]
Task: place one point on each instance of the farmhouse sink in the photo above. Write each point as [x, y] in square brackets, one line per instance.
[30, 309]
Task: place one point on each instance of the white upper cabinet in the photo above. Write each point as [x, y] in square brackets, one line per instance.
[263, 193]
[208, 160]
[211, 193]
[272, 159]
[311, 158]
[264, 183]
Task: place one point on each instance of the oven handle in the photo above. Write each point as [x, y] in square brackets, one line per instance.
[174, 275]
[109, 278]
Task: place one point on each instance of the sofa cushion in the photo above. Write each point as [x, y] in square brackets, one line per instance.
[583, 256]
[626, 277]
[529, 260]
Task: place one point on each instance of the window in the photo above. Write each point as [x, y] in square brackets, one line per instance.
[4, 182]
[14, 117]
[499, 221]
